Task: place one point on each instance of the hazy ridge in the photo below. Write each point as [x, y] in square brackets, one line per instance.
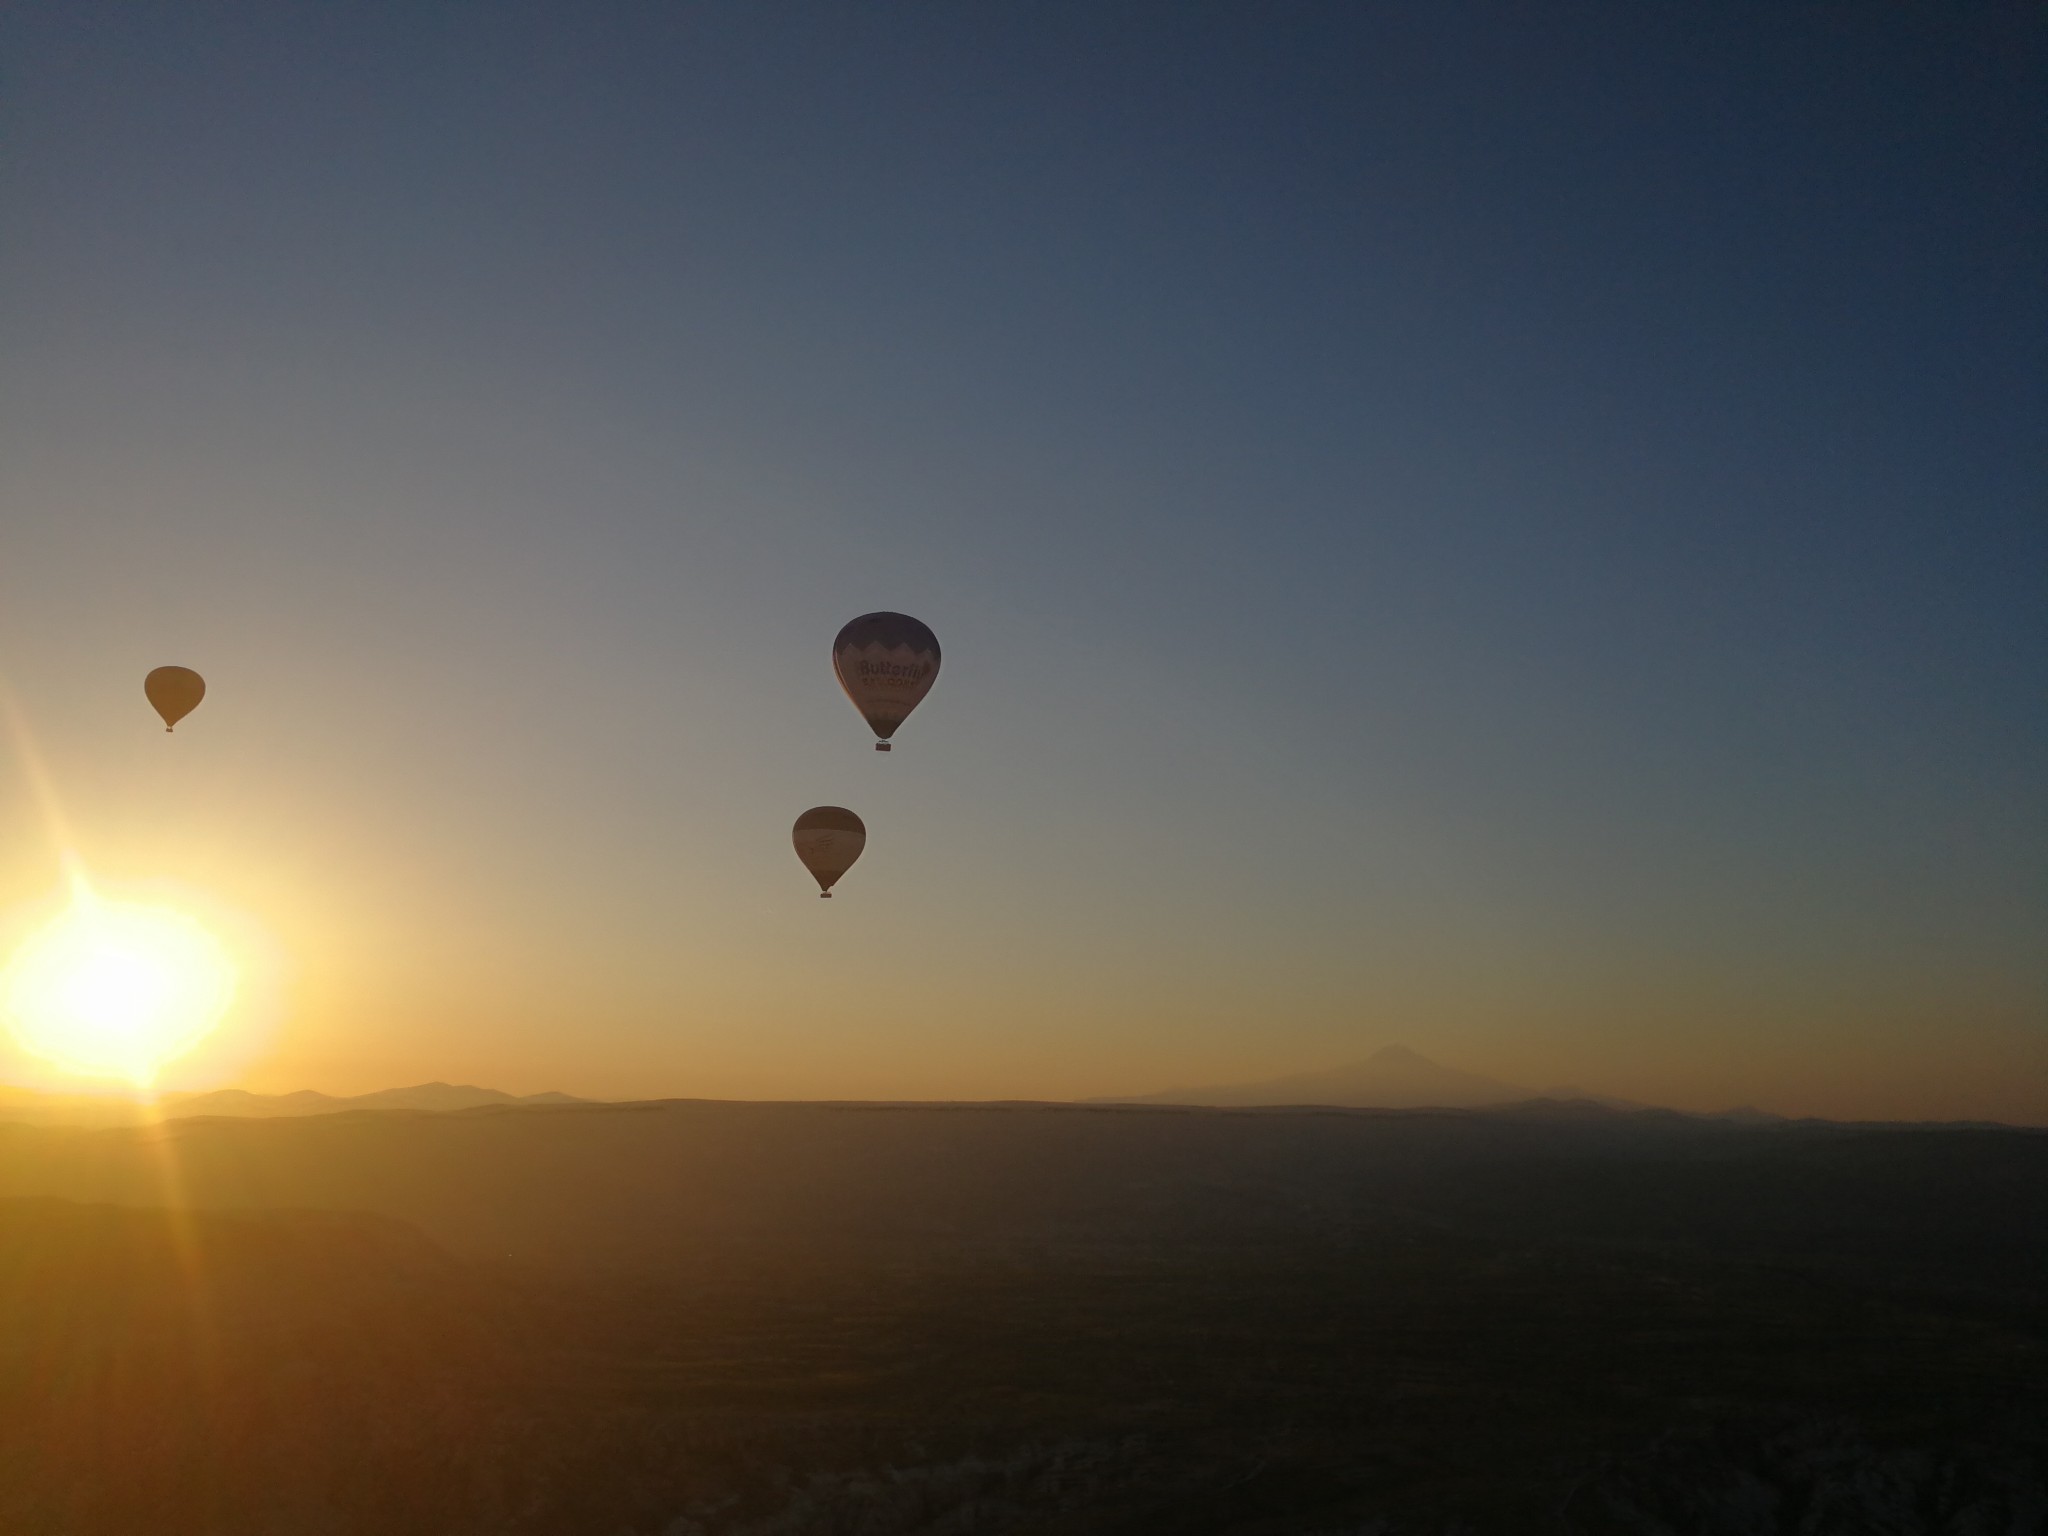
[1394, 1077]
[26, 1105]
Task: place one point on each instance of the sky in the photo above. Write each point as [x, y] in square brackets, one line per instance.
[1511, 530]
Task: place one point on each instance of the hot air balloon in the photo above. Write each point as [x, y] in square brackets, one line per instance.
[886, 662]
[175, 691]
[828, 839]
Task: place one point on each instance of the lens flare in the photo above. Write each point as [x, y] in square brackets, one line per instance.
[116, 989]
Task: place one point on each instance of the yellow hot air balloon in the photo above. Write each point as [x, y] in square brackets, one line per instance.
[175, 691]
[886, 662]
[828, 839]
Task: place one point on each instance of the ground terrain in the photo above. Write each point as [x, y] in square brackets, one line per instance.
[749, 1319]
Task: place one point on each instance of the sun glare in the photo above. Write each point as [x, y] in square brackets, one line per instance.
[116, 989]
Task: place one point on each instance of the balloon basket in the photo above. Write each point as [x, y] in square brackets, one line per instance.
[881, 746]
[824, 895]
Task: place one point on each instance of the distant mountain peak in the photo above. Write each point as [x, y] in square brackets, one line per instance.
[436, 1097]
[1388, 1055]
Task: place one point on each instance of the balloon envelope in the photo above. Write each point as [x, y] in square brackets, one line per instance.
[175, 692]
[886, 662]
[828, 839]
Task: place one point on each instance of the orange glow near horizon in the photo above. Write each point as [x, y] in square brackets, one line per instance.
[116, 989]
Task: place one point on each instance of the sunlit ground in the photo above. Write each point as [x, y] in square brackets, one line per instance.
[116, 990]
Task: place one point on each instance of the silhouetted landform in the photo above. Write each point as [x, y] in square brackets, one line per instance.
[1394, 1077]
[685, 1318]
[434, 1097]
[22, 1104]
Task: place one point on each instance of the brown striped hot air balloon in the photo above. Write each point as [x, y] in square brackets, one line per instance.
[174, 692]
[886, 662]
[828, 839]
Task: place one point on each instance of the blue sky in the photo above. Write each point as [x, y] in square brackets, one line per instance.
[1513, 531]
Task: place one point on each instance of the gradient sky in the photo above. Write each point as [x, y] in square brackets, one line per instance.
[1515, 530]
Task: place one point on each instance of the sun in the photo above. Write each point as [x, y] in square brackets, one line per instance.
[116, 989]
